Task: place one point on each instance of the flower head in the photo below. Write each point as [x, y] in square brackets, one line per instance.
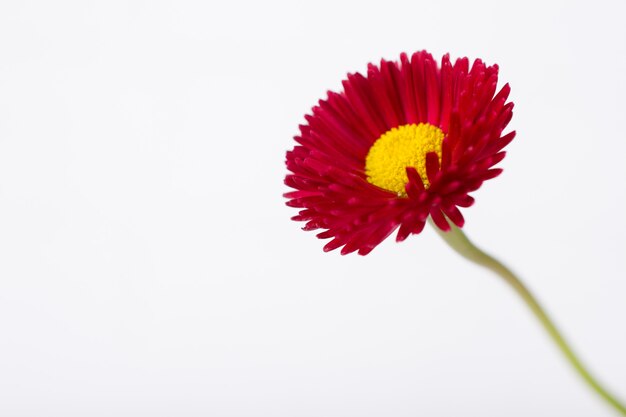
[409, 140]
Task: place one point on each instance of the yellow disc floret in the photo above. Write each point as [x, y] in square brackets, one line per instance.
[398, 148]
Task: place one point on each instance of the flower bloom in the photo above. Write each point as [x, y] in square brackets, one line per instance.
[410, 140]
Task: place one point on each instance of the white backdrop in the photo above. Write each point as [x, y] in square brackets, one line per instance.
[148, 266]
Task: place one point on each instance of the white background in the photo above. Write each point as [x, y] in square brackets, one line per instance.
[148, 266]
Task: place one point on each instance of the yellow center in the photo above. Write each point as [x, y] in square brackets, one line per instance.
[398, 148]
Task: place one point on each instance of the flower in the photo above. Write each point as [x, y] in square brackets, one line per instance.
[410, 140]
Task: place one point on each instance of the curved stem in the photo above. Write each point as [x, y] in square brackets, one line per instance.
[461, 244]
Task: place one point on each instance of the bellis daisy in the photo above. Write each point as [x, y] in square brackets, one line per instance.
[409, 140]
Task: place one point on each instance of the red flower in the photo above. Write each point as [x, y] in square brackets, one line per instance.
[409, 140]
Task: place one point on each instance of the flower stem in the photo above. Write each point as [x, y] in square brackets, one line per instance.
[462, 245]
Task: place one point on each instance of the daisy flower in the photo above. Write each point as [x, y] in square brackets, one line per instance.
[408, 140]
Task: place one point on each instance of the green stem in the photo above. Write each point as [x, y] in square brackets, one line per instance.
[461, 244]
